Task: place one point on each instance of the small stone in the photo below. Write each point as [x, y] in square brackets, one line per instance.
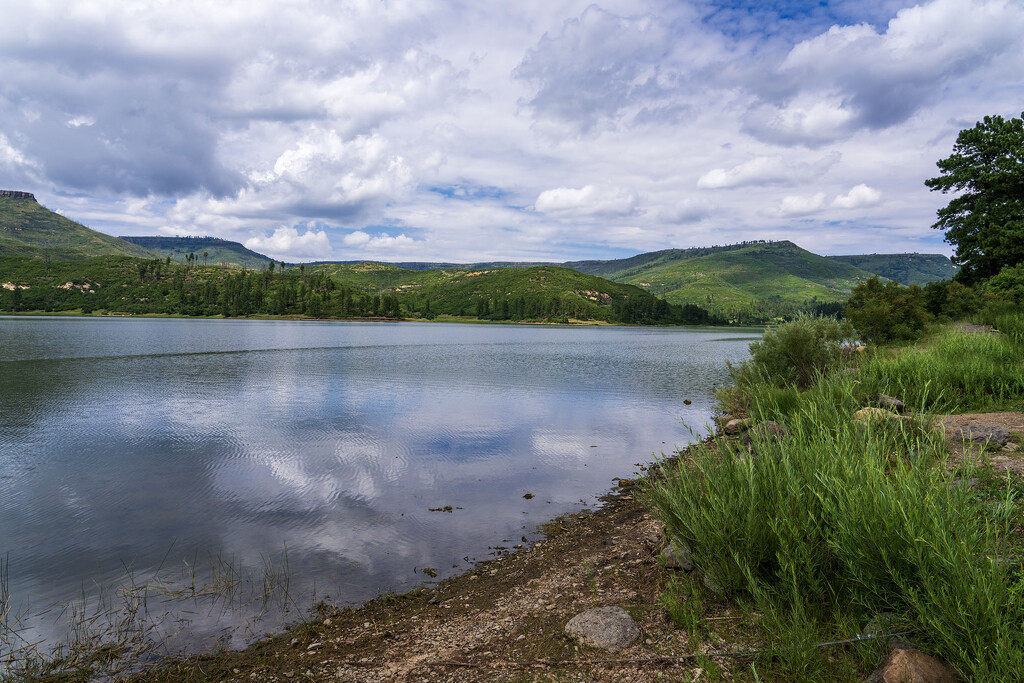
[874, 415]
[912, 666]
[735, 426]
[890, 403]
[996, 435]
[608, 628]
[677, 556]
[1010, 447]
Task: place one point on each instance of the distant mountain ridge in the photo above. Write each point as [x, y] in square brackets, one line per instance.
[907, 269]
[217, 251]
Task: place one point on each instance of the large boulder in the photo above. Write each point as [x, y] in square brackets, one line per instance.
[996, 435]
[912, 666]
[609, 628]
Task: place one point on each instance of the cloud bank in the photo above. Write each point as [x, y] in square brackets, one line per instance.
[447, 130]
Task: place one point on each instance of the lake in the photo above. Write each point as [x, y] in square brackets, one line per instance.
[308, 456]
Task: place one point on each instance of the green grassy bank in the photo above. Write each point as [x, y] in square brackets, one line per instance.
[840, 526]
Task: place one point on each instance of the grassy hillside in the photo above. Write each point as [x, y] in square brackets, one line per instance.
[750, 282]
[907, 269]
[28, 229]
[208, 250]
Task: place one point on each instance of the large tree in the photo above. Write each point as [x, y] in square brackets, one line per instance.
[985, 221]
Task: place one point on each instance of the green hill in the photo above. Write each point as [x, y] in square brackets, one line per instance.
[28, 229]
[208, 250]
[751, 281]
[512, 293]
[907, 269]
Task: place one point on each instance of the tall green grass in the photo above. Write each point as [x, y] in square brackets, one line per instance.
[842, 521]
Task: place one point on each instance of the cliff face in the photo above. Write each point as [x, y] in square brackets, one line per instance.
[15, 194]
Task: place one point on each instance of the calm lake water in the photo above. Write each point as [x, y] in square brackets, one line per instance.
[313, 452]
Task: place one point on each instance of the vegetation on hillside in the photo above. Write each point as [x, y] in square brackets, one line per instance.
[162, 286]
[752, 282]
[30, 230]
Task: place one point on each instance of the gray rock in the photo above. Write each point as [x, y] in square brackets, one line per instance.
[890, 403]
[735, 426]
[677, 556]
[996, 435]
[609, 628]
[912, 666]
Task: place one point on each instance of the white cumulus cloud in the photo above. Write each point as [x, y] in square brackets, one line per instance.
[858, 196]
[380, 242]
[588, 200]
[286, 242]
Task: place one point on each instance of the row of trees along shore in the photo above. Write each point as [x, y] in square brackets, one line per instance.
[141, 287]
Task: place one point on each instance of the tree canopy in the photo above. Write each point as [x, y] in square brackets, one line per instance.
[985, 222]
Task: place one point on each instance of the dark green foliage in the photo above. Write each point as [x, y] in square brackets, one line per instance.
[157, 286]
[985, 221]
[952, 299]
[795, 353]
[887, 312]
[1008, 285]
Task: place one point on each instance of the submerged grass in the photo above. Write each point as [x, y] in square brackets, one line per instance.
[118, 628]
[839, 522]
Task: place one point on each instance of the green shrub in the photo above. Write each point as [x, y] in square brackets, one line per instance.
[795, 353]
[1008, 285]
[887, 312]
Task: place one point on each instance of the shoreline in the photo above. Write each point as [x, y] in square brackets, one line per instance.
[499, 619]
[286, 318]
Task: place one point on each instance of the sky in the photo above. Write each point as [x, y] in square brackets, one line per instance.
[533, 130]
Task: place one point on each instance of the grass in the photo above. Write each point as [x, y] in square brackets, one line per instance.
[117, 628]
[838, 522]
